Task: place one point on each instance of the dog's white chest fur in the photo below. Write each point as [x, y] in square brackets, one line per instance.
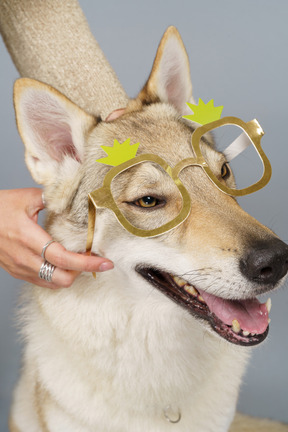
[109, 357]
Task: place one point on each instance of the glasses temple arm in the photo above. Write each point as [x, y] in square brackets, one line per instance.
[237, 146]
[91, 227]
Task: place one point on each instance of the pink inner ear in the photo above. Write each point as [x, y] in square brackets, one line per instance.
[176, 92]
[173, 75]
[50, 125]
[58, 139]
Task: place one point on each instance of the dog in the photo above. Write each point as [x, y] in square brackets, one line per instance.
[146, 346]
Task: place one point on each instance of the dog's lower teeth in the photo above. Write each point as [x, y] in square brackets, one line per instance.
[180, 282]
[236, 326]
[191, 290]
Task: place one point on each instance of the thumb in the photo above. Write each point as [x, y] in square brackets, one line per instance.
[35, 203]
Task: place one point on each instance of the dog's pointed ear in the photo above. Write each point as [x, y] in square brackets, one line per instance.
[169, 80]
[53, 130]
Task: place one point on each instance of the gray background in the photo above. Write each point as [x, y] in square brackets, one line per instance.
[238, 55]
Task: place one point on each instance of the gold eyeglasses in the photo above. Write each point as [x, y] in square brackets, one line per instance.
[251, 133]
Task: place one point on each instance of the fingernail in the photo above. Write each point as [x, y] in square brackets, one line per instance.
[106, 266]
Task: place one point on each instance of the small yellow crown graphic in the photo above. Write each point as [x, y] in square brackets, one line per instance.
[119, 153]
[204, 113]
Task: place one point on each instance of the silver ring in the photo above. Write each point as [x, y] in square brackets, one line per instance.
[45, 247]
[46, 271]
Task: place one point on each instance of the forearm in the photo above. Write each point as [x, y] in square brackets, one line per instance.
[50, 41]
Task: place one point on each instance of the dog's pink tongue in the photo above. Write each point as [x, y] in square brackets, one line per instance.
[251, 314]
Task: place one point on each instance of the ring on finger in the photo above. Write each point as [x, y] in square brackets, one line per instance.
[46, 271]
[45, 247]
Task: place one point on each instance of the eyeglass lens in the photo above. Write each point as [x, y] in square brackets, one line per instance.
[146, 196]
[246, 166]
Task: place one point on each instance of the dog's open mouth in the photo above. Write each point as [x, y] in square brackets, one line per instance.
[242, 322]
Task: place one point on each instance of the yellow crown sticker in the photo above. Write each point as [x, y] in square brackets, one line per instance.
[119, 153]
[204, 113]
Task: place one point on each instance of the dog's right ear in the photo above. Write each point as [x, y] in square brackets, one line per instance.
[169, 80]
[53, 130]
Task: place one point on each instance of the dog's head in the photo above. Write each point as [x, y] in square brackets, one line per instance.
[215, 262]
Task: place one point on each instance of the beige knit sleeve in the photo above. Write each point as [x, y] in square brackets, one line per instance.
[50, 40]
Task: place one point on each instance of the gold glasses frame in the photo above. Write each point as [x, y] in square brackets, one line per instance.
[103, 198]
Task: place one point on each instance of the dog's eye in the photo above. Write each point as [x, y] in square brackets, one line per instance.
[147, 202]
[225, 171]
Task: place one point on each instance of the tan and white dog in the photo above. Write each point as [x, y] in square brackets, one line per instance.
[124, 352]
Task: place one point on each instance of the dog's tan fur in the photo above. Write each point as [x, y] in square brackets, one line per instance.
[249, 424]
[12, 427]
[110, 354]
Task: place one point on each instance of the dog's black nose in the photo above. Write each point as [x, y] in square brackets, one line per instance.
[266, 262]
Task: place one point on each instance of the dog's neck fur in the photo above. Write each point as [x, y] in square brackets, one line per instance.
[51, 41]
[170, 362]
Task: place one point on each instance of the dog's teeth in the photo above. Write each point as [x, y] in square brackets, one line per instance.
[201, 299]
[269, 320]
[236, 326]
[269, 305]
[191, 290]
[246, 333]
[180, 282]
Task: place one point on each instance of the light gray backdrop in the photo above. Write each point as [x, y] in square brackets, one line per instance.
[238, 53]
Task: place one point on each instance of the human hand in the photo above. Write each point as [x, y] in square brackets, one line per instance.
[22, 240]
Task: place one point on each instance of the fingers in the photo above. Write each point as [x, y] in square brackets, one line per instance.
[31, 201]
[59, 279]
[60, 257]
[27, 267]
[35, 203]
[68, 264]
[22, 241]
[57, 255]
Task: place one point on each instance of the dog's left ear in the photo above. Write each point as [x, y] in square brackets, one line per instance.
[53, 130]
[169, 80]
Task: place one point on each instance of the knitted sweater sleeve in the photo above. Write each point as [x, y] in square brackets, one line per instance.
[51, 41]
